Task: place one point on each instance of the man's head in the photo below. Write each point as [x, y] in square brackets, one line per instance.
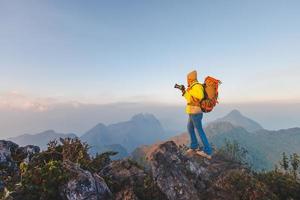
[191, 77]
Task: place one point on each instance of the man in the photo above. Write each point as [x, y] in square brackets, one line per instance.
[193, 95]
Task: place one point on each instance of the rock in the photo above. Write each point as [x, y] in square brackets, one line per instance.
[9, 168]
[128, 180]
[10, 157]
[124, 173]
[183, 176]
[84, 185]
[10, 152]
[26, 153]
[6, 150]
[126, 194]
[174, 173]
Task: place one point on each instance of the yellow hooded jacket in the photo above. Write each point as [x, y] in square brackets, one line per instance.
[193, 96]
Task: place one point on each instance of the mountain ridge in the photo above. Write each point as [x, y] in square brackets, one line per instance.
[264, 146]
[40, 139]
[236, 118]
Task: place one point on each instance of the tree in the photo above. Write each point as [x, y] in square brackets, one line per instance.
[295, 164]
[284, 162]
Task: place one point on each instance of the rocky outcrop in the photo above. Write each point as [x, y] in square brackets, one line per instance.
[6, 150]
[188, 176]
[10, 152]
[174, 173]
[171, 174]
[8, 166]
[128, 180]
[123, 176]
[10, 157]
[84, 185]
[26, 153]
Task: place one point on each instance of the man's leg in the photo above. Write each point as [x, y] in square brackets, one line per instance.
[191, 130]
[197, 121]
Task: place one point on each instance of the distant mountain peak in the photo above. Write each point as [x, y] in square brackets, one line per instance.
[236, 118]
[99, 126]
[50, 131]
[143, 116]
[235, 112]
[142, 128]
[97, 130]
[40, 139]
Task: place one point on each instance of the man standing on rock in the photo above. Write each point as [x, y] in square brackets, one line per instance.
[193, 95]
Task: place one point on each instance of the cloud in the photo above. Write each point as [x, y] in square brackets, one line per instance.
[24, 101]
[16, 100]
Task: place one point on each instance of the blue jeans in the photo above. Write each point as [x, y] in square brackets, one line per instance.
[195, 122]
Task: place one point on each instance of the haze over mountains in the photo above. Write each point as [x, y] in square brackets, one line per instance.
[140, 129]
[40, 139]
[143, 130]
[78, 118]
[122, 137]
[237, 119]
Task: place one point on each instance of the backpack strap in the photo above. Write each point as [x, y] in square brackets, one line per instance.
[196, 102]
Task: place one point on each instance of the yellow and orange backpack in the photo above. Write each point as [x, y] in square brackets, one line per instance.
[211, 93]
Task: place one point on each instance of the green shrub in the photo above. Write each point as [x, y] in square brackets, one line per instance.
[284, 185]
[233, 151]
[45, 174]
[43, 181]
[244, 186]
[100, 161]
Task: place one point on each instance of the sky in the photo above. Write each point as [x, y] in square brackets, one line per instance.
[99, 52]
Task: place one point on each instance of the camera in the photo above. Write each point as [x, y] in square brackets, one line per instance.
[180, 87]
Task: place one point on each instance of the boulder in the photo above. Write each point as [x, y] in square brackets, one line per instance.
[174, 173]
[188, 176]
[8, 167]
[10, 157]
[6, 150]
[26, 153]
[122, 173]
[84, 185]
[128, 180]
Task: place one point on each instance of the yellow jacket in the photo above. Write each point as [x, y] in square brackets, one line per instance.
[193, 95]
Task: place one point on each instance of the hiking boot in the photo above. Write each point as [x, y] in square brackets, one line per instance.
[203, 154]
[189, 151]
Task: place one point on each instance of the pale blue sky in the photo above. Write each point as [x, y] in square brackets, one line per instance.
[108, 51]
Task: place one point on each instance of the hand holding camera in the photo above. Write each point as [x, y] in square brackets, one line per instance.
[180, 87]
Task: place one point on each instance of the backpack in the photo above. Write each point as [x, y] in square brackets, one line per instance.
[210, 99]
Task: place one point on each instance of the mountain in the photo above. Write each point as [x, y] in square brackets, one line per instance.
[122, 137]
[264, 147]
[237, 119]
[98, 135]
[257, 157]
[140, 129]
[40, 139]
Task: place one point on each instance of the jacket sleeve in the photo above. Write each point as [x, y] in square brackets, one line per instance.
[196, 91]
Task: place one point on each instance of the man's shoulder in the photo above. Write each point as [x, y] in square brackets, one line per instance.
[197, 85]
